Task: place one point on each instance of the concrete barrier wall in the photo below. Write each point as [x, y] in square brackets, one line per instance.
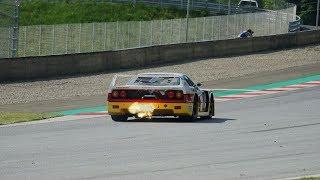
[28, 68]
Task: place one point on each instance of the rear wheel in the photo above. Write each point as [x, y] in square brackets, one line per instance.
[211, 110]
[119, 118]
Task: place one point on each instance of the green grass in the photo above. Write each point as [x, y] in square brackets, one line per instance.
[15, 117]
[310, 178]
[63, 12]
[36, 12]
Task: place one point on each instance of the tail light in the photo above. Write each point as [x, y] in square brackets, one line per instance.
[175, 94]
[123, 94]
[115, 94]
[170, 94]
[118, 94]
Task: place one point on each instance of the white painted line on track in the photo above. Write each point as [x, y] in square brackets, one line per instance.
[245, 95]
[300, 86]
[281, 89]
[312, 82]
[249, 90]
[256, 93]
[265, 92]
[299, 177]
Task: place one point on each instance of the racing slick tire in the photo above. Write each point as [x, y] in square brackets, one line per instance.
[211, 110]
[119, 118]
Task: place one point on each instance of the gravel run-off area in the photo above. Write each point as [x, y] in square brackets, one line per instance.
[199, 70]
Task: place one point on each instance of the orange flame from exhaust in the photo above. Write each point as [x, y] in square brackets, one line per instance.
[142, 110]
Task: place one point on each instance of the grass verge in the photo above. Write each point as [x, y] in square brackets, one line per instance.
[310, 178]
[46, 13]
[16, 117]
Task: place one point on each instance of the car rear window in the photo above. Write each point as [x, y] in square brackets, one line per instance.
[156, 81]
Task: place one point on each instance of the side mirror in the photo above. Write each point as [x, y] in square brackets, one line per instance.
[199, 84]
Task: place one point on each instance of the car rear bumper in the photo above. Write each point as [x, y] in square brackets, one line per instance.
[160, 109]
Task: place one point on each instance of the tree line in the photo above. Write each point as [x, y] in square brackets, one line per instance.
[307, 10]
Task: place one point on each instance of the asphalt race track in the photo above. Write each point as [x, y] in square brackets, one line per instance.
[267, 137]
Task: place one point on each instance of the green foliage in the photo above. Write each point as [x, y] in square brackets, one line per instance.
[306, 10]
[37, 12]
[267, 4]
[273, 4]
[4, 22]
[264, 4]
[310, 178]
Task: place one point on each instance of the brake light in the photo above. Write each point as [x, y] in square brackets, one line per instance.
[123, 94]
[170, 94]
[115, 94]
